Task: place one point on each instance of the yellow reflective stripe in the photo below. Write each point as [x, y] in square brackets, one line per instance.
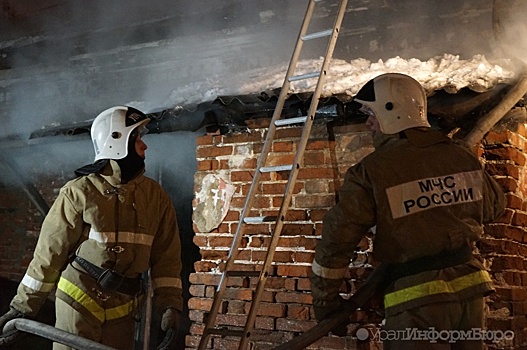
[82, 298]
[436, 287]
[329, 273]
[120, 311]
[91, 305]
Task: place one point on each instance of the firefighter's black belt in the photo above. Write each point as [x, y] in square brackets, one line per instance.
[111, 280]
[427, 263]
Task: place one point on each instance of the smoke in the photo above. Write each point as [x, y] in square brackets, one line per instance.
[73, 60]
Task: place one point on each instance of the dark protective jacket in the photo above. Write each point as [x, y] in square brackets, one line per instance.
[128, 228]
[424, 195]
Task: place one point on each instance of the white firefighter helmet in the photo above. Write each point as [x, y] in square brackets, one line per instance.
[398, 101]
[111, 130]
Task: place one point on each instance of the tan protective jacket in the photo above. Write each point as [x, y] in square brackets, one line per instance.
[425, 195]
[125, 227]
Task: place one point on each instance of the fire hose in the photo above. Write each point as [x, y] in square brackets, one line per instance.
[51, 333]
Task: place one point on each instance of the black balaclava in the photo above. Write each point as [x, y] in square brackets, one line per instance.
[132, 164]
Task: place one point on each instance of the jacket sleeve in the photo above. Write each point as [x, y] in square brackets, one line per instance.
[494, 201]
[61, 230]
[165, 261]
[343, 227]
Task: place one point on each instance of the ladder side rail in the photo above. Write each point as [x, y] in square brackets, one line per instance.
[292, 177]
[267, 144]
[270, 134]
[220, 290]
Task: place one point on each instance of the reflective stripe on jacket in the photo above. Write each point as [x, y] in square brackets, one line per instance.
[125, 227]
[425, 195]
[92, 305]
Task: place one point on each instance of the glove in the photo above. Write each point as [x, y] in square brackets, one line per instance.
[324, 309]
[170, 323]
[9, 337]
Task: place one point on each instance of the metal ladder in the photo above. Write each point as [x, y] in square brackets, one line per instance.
[276, 121]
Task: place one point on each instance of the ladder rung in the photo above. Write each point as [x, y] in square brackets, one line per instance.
[268, 169]
[259, 219]
[235, 273]
[225, 332]
[317, 35]
[304, 76]
[289, 121]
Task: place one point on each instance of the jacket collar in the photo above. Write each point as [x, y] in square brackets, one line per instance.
[419, 137]
[112, 174]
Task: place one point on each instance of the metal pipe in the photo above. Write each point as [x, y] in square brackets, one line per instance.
[54, 334]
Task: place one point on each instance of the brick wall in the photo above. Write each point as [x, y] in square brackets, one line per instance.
[20, 222]
[286, 308]
[503, 248]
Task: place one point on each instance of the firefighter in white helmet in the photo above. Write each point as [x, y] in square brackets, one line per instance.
[426, 199]
[107, 228]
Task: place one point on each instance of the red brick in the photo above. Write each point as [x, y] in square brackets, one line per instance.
[316, 173]
[303, 257]
[199, 304]
[204, 266]
[308, 243]
[282, 146]
[197, 316]
[230, 319]
[315, 201]
[204, 140]
[317, 145]
[266, 323]
[497, 138]
[286, 324]
[221, 241]
[279, 188]
[300, 312]
[279, 159]
[519, 219]
[508, 184]
[242, 176]
[303, 284]
[215, 151]
[506, 153]
[504, 170]
[316, 186]
[314, 158]
[504, 231]
[293, 270]
[258, 202]
[204, 278]
[245, 137]
[318, 214]
[197, 290]
[288, 133]
[204, 165]
[269, 309]
[298, 229]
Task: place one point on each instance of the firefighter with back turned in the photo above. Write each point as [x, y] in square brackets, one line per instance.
[426, 199]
